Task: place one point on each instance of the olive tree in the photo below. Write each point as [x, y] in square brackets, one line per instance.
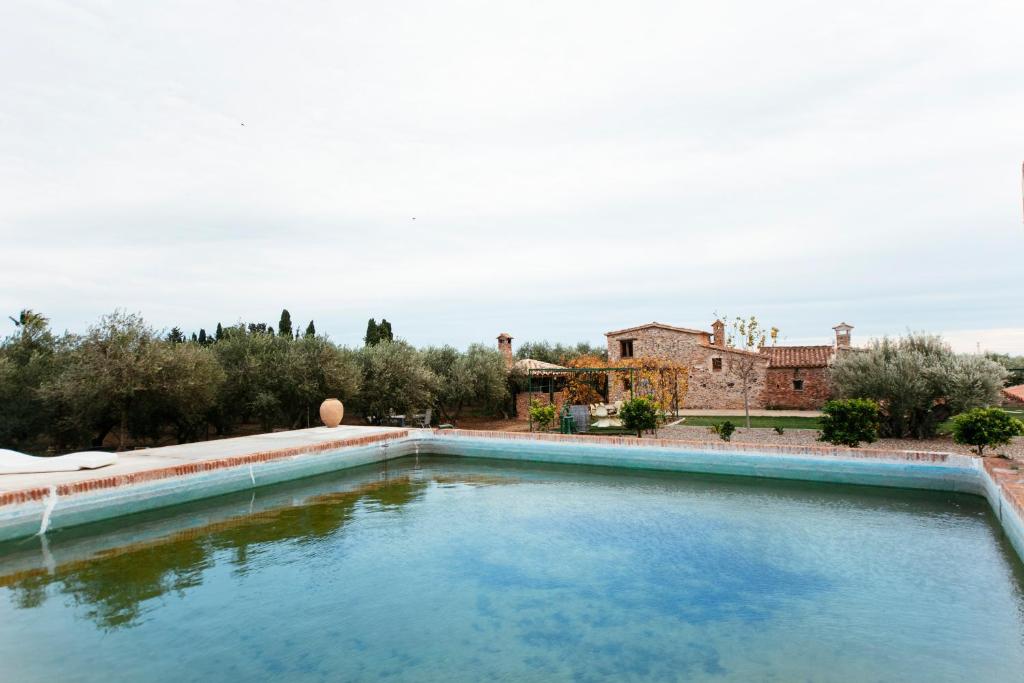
[918, 382]
[476, 378]
[27, 361]
[110, 371]
[316, 369]
[254, 378]
[560, 354]
[395, 377]
[189, 385]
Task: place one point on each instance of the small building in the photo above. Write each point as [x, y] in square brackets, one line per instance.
[546, 388]
[799, 376]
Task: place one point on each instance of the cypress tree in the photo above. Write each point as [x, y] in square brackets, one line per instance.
[284, 326]
[372, 333]
[219, 334]
[202, 336]
[384, 331]
[310, 329]
[194, 337]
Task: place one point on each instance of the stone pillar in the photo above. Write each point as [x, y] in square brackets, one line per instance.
[505, 347]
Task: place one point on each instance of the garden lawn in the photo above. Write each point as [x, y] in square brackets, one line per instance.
[764, 421]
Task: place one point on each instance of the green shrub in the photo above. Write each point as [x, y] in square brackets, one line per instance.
[986, 427]
[780, 430]
[849, 421]
[724, 430]
[542, 415]
[638, 414]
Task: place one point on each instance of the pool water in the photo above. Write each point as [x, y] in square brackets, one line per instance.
[443, 569]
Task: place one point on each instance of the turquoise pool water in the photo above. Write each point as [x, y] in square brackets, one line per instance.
[465, 570]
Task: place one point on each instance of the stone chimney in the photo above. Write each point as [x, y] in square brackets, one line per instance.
[718, 330]
[843, 335]
[505, 347]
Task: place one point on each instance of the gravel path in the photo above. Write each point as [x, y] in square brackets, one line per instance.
[808, 437]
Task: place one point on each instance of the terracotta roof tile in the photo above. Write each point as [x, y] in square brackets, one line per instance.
[1015, 393]
[798, 356]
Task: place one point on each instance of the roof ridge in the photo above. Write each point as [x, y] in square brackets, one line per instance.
[655, 323]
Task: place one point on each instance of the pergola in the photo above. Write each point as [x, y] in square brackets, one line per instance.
[562, 372]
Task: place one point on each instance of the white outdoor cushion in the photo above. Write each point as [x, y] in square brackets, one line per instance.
[13, 462]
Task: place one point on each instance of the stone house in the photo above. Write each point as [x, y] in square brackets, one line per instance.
[710, 361]
[795, 377]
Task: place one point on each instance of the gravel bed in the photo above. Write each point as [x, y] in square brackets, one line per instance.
[809, 437]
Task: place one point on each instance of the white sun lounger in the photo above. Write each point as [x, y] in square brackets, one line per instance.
[13, 462]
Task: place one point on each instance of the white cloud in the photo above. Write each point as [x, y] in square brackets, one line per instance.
[571, 167]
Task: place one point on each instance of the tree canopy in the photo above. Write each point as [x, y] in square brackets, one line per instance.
[918, 381]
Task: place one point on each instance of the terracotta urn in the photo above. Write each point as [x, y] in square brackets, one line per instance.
[331, 412]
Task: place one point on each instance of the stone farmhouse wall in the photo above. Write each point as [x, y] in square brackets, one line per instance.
[710, 386]
[779, 391]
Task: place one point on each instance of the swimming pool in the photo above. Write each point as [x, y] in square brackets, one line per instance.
[438, 568]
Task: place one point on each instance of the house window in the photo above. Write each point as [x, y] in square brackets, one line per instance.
[716, 364]
[627, 385]
[626, 348]
[798, 385]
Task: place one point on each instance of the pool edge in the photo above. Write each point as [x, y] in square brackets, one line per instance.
[103, 497]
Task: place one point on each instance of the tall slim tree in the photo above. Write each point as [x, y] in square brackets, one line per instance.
[202, 336]
[372, 333]
[384, 332]
[310, 329]
[219, 334]
[284, 325]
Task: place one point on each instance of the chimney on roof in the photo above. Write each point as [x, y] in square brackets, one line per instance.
[718, 332]
[843, 335]
[505, 347]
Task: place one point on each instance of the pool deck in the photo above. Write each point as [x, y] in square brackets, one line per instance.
[131, 464]
[158, 477]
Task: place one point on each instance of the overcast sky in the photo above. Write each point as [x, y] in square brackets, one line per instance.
[551, 169]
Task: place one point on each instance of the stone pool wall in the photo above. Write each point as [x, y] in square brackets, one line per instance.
[101, 496]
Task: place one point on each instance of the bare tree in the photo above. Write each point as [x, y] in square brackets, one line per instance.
[749, 336]
[747, 368]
